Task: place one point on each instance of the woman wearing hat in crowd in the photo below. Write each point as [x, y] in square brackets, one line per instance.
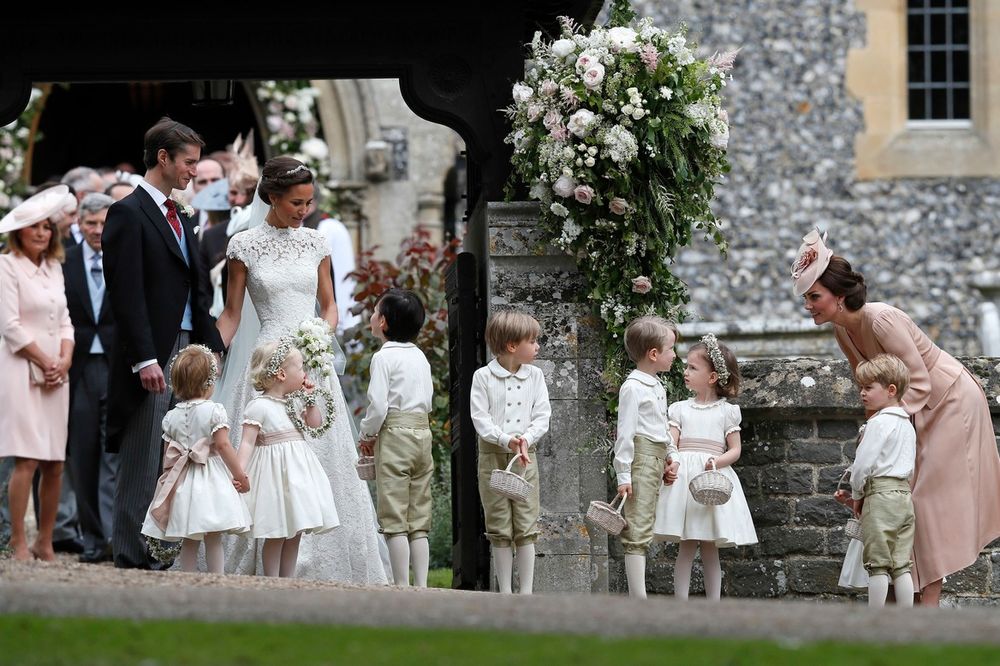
[956, 483]
[36, 350]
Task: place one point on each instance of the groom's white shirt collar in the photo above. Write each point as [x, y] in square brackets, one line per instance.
[159, 198]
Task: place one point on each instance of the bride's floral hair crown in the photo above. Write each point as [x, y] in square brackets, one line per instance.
[187, 371]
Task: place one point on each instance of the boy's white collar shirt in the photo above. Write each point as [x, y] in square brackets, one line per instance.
[506, 404]
[887, 448]
[400, 380]
[642, 410]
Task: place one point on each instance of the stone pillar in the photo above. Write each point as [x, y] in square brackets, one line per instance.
[526, 274]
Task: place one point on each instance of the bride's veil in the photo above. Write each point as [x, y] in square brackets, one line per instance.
[242, 344]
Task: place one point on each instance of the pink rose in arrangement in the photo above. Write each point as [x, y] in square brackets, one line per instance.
[552, 118]
[559, 133]
[593, 76]
[641, 284]
[549, 88]
[618, 206]
[584, 194]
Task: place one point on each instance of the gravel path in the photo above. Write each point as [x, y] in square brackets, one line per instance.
[66, 588]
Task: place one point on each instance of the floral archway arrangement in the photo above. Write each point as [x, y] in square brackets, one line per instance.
[15, 139]
[620, 134]
[294, 129]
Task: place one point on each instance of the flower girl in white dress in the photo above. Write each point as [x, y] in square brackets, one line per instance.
[706, 429]
[196, 498]
[290, 493]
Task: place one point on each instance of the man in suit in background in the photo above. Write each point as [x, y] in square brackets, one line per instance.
[152, 268]
[92, 470]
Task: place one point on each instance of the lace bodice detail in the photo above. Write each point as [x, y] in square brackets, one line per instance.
[282, 274]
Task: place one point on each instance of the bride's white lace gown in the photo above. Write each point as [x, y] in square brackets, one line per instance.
[282, 268]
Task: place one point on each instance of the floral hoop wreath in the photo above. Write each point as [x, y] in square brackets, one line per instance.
[213, 373]
[297, 401]
[715, 356]
[162, 551]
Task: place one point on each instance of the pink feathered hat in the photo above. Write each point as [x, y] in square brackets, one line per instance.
[812, 259]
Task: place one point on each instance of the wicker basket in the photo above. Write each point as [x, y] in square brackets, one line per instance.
[711, 488]
[853, 526]
[606, 516]
[366, 468]
[510, 485]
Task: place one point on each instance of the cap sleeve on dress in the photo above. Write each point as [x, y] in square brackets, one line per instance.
[733, 418]
[254, 412]
[320, 245]
[237, 248]
[674, 415]
[220, 419]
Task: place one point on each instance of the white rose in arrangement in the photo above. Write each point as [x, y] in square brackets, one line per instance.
[594, 75]
[535, 112]
[623, 38]
[552, 118]
[549, 88]
[584, 194]
[559, 209]
[581, 122]
[564, 186]
[590, 161]
[315, 148]
[522, 93]
[563, 47]
[586, 60]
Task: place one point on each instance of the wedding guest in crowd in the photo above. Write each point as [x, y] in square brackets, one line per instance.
[956, 479]
[92, 469]
[119, 190]
[35, 355]
[206, 173]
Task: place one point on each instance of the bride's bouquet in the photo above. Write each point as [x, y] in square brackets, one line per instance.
[314, 338]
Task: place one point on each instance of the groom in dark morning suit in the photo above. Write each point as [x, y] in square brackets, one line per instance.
[151, 264]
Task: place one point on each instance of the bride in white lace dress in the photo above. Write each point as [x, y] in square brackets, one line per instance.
[285, 269]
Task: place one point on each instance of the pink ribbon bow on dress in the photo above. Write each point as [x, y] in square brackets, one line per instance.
[175, 461]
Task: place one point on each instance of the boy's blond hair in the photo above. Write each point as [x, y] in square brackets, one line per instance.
[885, 369]
[509, 327]
[645, 333]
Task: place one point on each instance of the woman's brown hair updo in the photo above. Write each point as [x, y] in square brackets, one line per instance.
[281, 174]
[845, 283]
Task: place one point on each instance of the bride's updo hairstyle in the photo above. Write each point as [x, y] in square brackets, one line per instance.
[845, 283]
[281, 174]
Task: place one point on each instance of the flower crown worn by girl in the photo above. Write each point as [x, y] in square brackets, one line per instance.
[715, 356]
[810, 262]
[279, 355]
[213, 372]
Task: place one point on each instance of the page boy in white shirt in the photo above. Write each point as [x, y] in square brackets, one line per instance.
[510, 410]
[397, 432]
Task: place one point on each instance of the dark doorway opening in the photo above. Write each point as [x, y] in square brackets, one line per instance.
[102, 124]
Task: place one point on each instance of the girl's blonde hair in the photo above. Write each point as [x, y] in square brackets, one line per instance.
[648, 332]
[261, 373]
[509, 327]
[192, 372]
[731, 387]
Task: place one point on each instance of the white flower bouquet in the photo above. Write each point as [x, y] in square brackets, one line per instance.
[314, 338]
[619, 133]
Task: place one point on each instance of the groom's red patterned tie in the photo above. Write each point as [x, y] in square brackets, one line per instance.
[175, 222]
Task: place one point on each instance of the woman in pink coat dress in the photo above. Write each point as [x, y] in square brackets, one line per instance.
[956, 482]
[35, 354]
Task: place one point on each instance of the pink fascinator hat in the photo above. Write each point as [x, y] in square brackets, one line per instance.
[812, 259]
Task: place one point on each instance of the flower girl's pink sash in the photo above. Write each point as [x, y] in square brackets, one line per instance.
[278, 436]
[701, 445]
[175, 460]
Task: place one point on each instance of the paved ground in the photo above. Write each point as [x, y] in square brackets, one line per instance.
[70, 589]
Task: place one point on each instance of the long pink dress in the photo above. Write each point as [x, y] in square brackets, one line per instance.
[32, 309]
[956, 482]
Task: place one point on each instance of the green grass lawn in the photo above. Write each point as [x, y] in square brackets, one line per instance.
[32, 640]
[439, 578]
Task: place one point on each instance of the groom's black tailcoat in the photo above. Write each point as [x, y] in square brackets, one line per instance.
[148, 283]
